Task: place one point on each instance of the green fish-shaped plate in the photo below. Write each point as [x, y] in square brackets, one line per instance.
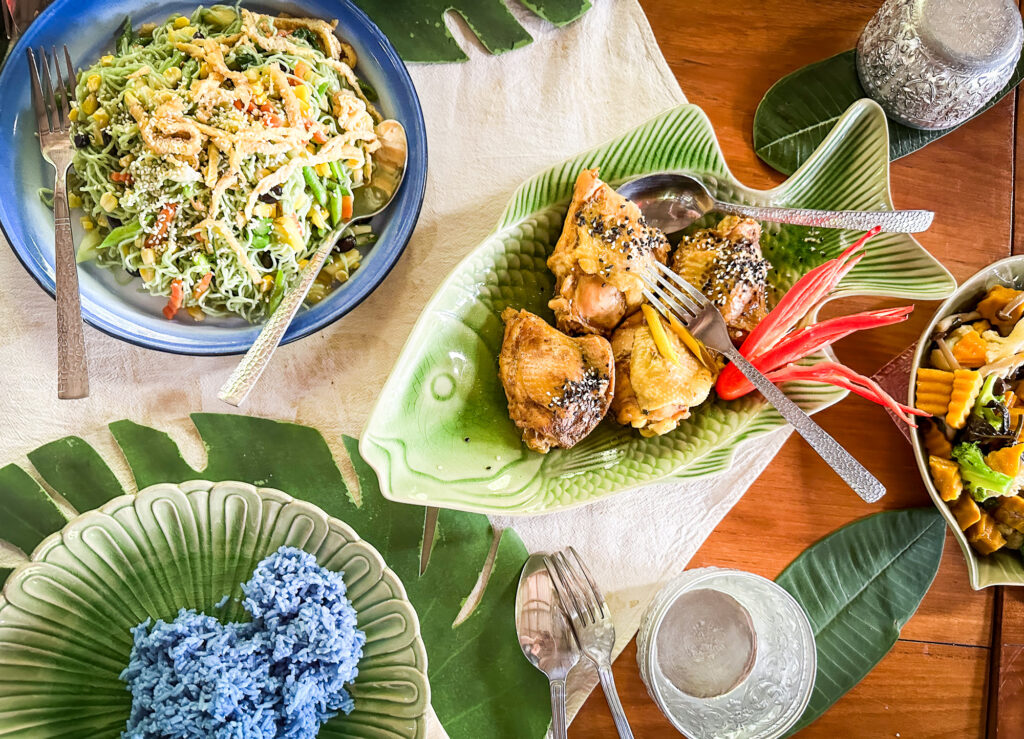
[440, 434]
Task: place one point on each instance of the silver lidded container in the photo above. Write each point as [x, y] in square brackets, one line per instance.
[932, 64]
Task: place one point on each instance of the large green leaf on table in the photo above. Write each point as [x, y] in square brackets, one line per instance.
[859, 586]
[799, 110]
[419, 34]
[480, 682]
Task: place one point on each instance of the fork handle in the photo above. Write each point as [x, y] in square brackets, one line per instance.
[72, 372]
[558, 729]
[891, 221]
[614, 704]
[853, 472]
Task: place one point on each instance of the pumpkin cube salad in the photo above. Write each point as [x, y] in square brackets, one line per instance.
[973, 386]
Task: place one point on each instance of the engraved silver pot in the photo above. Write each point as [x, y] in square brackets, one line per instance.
[932, 64]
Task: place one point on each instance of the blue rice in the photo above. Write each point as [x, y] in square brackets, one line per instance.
[279, 677]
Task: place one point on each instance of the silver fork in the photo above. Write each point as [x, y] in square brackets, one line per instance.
[11, 30]
[671, 294]
[591, 623]
[52, 121]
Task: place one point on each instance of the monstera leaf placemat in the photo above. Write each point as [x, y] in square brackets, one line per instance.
[418, 32]
[481, 684]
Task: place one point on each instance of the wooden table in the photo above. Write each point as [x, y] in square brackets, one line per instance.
[726, 54]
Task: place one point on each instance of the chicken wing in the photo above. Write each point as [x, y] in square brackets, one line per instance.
[604, 242]
[725, 263]
[652, 393]
[558, 387]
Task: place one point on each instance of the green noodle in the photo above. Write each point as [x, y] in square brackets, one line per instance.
[158, 180]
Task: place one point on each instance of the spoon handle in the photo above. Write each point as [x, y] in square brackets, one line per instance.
[237, 387]
[558, 730]
[891, 221]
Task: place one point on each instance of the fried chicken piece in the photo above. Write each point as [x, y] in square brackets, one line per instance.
[604, 243]
[652, 393]
[558, 388]
[725, 263]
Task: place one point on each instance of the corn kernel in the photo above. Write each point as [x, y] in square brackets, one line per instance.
[196, 312]
[266, 283]
[322, 169]
[264, 210]
[303, 263]
[93, 82]
[146, 29]
[148, 255]
[89, 105]
[316, 215]
[147, 274]
[180, 22]
[101, 118]
[301, 201]
[304, 107]
[126, 160]
[204, 70]
[301, 92]
[73, 115]
[106, 60]
[108, 201]
[87, 223]
[102, 221]
[252, 74]
[172, 75]
[74, 200]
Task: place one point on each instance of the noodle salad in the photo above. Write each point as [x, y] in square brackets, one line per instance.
[213, 153]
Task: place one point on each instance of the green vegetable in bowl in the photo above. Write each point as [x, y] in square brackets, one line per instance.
[983, 481]
[988, 406]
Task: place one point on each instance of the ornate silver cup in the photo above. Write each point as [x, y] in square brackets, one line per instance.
[932, 64]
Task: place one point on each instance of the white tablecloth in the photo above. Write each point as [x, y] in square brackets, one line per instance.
[491, 122]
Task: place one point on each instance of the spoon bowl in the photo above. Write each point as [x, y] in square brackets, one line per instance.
[672, 201]
[545, 635]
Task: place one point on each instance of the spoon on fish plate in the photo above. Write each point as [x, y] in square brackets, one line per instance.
[545, 635]
[672, 201]
[369, 200]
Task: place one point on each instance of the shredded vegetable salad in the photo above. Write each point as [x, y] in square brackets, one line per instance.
[214, 153]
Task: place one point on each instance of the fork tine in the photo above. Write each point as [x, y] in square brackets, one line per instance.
[564, 589]
[71, 75]
[61, 106]
[594, 589]
[38, 102]
[678, 281]
[667, 290]
[579, 590]
[49, 100]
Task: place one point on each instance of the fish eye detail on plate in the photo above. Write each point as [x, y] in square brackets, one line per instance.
[605, 259]
[212, 150]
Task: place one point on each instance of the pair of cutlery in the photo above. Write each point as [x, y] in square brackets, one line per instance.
[561, 614]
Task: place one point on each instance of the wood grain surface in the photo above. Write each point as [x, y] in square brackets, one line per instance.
[726, 54]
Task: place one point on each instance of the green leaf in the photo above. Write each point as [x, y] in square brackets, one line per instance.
[74, 469]
[418, 32]
[799, 110]
[474, 667]
[859, 586]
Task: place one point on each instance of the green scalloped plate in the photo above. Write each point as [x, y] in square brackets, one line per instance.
[65, 616]
[440, 434]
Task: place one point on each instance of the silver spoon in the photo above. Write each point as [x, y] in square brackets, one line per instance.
[671, 202]
[544, 634]
[371, 199]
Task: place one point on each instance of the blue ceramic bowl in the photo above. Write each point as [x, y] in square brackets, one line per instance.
[89, 28]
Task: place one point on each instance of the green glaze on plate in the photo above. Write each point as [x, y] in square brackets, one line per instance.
[440, 433]
[65, 616]
[1002, 567]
